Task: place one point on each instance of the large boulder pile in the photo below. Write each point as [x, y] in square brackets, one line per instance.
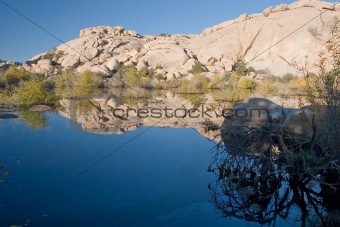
[267, 41]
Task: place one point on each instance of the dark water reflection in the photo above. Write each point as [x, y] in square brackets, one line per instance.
[262, 190]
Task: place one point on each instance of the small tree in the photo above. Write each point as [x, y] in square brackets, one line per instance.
[87, 80]
[129, 75]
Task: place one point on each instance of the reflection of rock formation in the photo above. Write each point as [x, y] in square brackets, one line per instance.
[106, 115]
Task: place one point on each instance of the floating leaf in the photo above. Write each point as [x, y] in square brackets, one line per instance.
[15, 226]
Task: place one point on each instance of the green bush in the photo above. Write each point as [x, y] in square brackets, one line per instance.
[34, 92]
[251, 69]
[198, 84]
[49, 56]
[13, 75]
[216, 82]
[233, 79]
[240, 68]
[201, 82]
[261, 71]
[163, 35]
[266, 88]
[246, 83]
[59, 54]
[159, 76]
[143, 73]
[2, 80]
[197, 68]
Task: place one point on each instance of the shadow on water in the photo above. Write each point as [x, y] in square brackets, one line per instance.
[258, 188]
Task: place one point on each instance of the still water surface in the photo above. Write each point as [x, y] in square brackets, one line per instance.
[158, 179]
[86, 172]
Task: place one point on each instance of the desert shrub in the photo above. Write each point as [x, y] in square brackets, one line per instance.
[13, 75]
[287, 78]
[159, 76]
[266, 88]
[143, 73]
[197, 68]
[198, 84]
[216, 82]
[59, 54]
[233, 79]
[246, 82]
[25, 75]
[251, 69]
[34, 92]
[146, 82]
[163, 35]
[49, 56]
[240, 68]
[297, 83]
[242, 94]
[3, 80]
[261, 71]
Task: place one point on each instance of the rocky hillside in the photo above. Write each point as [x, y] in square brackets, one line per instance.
[264, 41]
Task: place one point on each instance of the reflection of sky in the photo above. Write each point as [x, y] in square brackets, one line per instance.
[159, 178]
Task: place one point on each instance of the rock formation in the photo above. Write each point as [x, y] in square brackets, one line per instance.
[278, 39]
[4, 65]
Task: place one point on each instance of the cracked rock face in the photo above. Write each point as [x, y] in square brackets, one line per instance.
[278, 39]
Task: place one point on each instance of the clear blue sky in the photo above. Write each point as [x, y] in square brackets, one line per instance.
[20, 39]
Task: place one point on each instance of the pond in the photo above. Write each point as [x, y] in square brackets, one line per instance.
[89, 164]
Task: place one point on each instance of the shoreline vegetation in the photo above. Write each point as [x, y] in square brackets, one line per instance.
[20, 87]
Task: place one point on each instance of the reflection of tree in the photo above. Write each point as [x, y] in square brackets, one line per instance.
[84, 106]
[33, 120]
[262, 189]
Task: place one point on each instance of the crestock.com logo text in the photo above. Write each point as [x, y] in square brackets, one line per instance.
[201, 112]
